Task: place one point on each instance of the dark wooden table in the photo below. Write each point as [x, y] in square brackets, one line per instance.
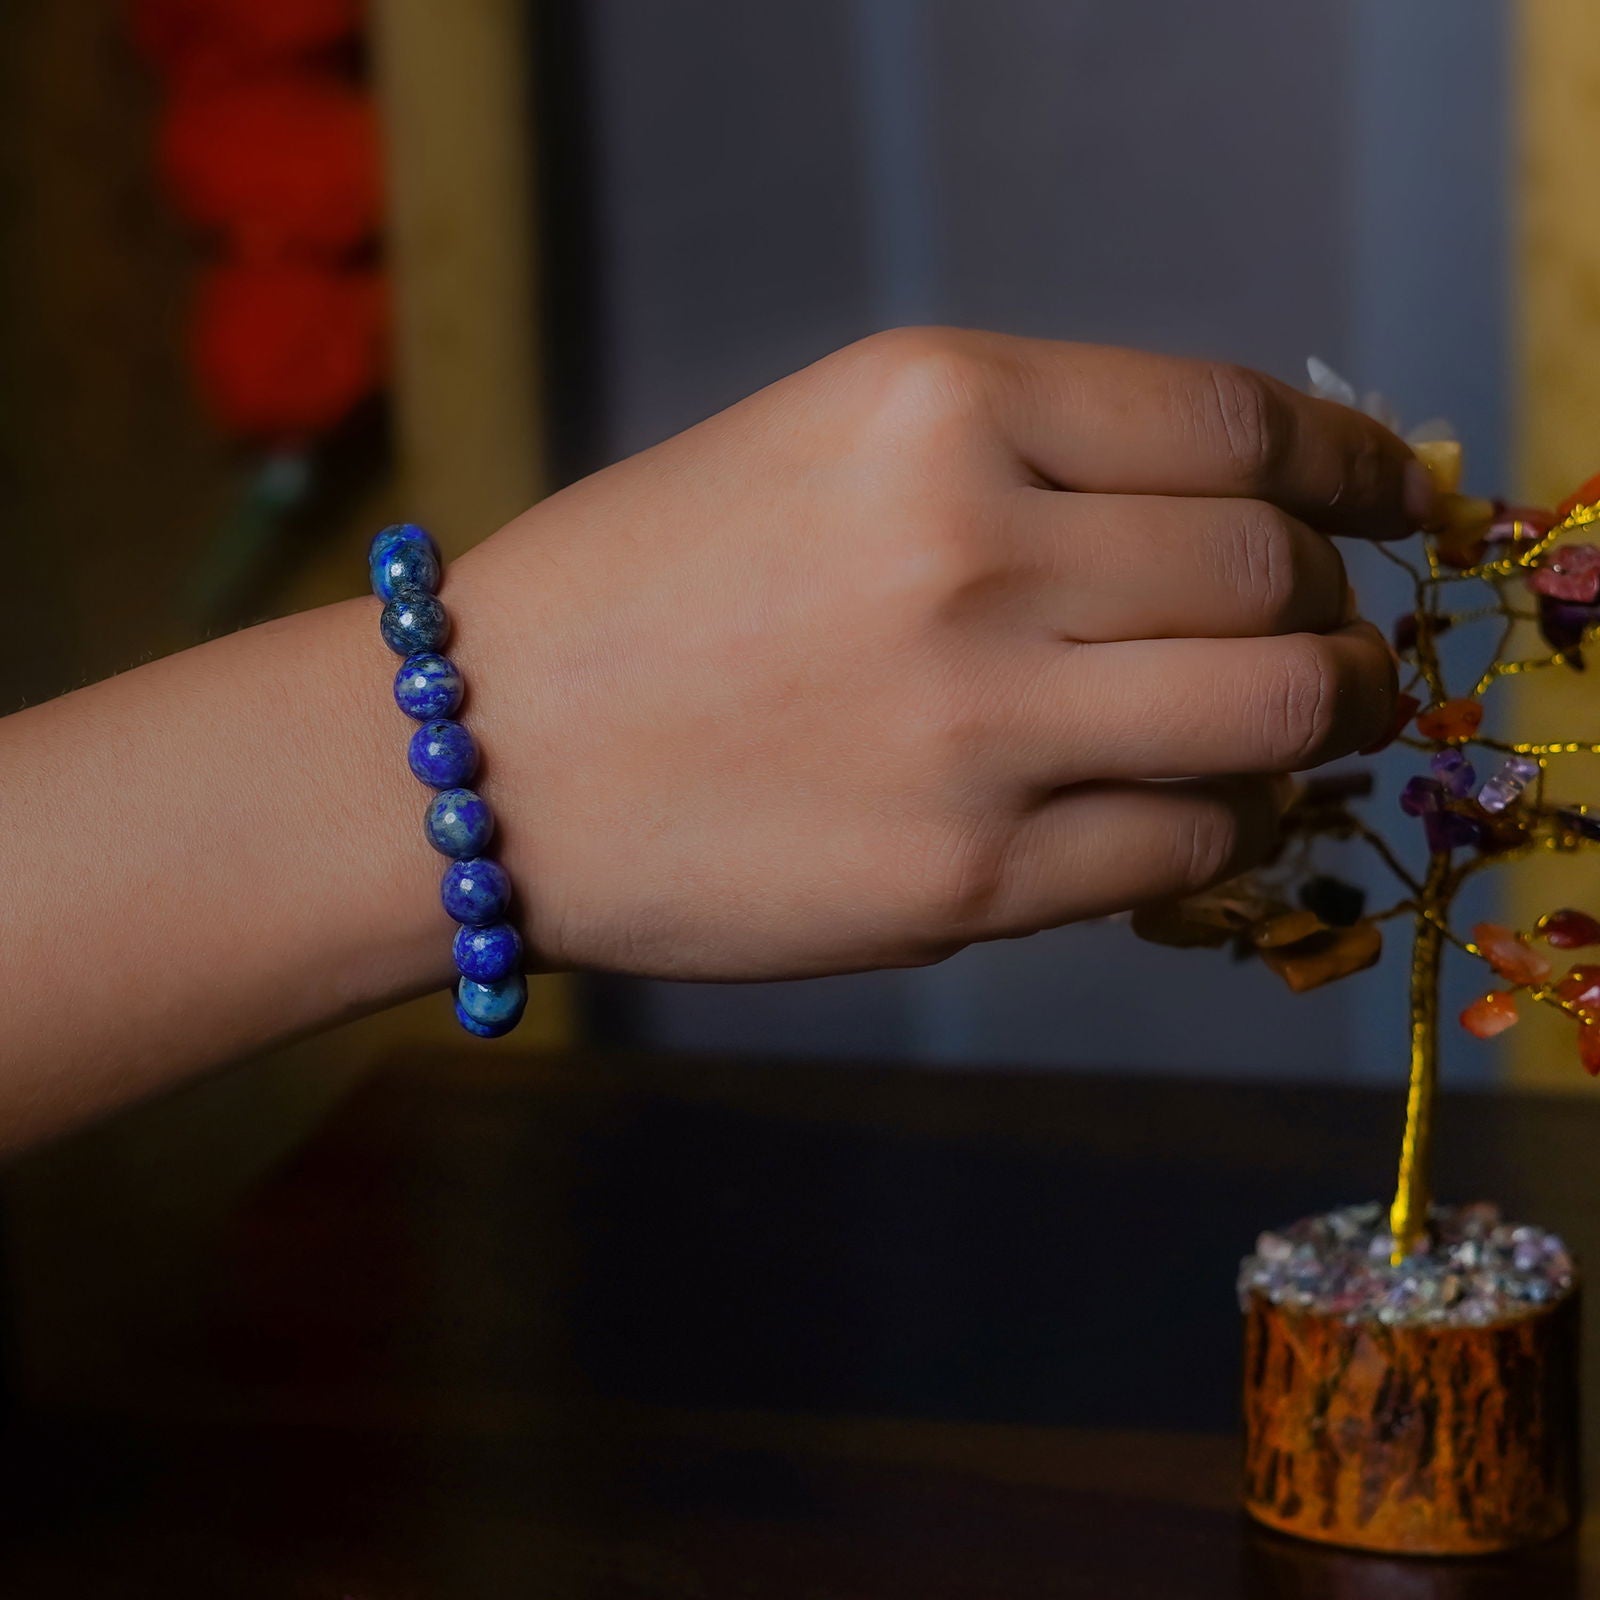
[645, 1327]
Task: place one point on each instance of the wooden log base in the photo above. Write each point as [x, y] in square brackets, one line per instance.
[1413, 1440]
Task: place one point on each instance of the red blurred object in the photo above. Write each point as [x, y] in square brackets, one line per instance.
[200, 41]
[286, 165]
[269, 143]
[284, 352]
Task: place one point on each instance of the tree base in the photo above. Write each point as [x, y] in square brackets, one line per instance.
[1421, 1437]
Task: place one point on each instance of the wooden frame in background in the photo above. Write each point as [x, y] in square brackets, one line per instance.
[1556, 314]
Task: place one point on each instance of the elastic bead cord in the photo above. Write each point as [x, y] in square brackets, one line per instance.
[491, 992]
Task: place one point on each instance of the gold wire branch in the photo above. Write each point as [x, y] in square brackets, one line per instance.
[1433, 897]
[1513, 669]
[1381, 845]
[1521, 821]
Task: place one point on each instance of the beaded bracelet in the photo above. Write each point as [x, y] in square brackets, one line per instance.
[491, 992]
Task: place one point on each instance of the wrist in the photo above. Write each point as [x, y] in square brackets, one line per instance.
[507, 624]
[385, 918]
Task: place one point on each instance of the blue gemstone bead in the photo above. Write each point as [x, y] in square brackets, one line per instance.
[427, 686]
[486, 955]
[387, 544]
[458, 823]
[413, 622]
[491, 1009]
[443, 754]
[476, 891]
[409, 567]
[478, 1029]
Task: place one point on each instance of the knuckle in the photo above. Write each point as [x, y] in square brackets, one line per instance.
[922, 381]
[956, 554]
[941, 565]
[957, 883]
[1206, 845]
[1246, 422]
[947, 737]
[1266, 567]
[1300, 705]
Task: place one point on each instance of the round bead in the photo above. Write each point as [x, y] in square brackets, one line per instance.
[401, 536]
[486, 955]
[443, 754]
[427, 686]
[458, 823]
[476, 891]
[412, 622]
[491, 1009]
[407, 567]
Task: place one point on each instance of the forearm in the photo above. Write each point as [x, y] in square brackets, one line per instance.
[901, 653]
[203, 856]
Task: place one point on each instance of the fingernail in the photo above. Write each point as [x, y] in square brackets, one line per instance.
[1418, 494]
[1442, 458]
[1284, 791]
[1352, 606]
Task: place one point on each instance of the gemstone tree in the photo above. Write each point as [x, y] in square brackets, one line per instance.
[1411, 1372]
[1480, 800]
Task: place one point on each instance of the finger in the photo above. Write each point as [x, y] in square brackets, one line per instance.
[1106, 847]
[1172, 708]
[1117, 566]
[1091, 417]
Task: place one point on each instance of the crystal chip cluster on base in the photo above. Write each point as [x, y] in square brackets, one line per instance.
[1473, 1269]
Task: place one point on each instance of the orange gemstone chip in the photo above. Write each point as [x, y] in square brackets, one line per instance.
[1510, 954]
[1490, 1014]
[1450, 720]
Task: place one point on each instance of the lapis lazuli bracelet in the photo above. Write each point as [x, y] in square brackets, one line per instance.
[491, 992]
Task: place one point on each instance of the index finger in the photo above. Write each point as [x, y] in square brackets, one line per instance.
[1097, 418]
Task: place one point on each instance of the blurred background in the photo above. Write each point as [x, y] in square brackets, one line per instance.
[276, 273]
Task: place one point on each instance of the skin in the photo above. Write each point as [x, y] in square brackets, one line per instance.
[949, 637]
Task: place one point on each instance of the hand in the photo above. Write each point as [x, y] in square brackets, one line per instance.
[906, 651]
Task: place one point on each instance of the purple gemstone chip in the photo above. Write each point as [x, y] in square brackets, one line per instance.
[1506, 787]
[1455, 773]
[1421, 796]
